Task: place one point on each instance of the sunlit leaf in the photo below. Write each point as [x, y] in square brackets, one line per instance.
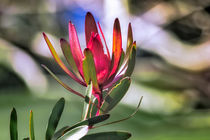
[131, 61]
[54, 118]
[13, 125]
[31, 126]
[59, 61]
[114, 135]
[115, 95]
[87, 101]
[68, 55]
[117, 47]
[76, 133]
[89, 69]
[129, 38]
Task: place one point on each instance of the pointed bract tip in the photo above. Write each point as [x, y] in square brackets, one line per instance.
[13, 109]
[130, 27]
[89, 14]
[31, 111]
[116, 20]
[134, 44]
[62, 40]
[43, 33]
[117, 24]
[70, 23]
[86, 49]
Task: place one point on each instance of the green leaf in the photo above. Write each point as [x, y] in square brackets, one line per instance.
[115, 95]
[54, 118]
[114, 135]
[68, 55]
[121, 59]
[13, 125]
[90, 122]
[31, 126]
[94, 107]
[124, 119]
[87, 101]
[60, 82]
[89, 69]
[129, 39]
[131, 61]
[26, 139]
[76, 133]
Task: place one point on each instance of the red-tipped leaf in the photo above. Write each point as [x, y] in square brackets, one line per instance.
[90, 26]
[117, 48]
[69, 57]
[58, 60]
[89, 69]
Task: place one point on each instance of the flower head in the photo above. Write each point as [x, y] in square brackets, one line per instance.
[93, 64]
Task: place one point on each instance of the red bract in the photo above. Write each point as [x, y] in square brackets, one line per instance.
[93, 64]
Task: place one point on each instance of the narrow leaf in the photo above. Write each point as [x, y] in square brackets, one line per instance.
[87, 101]
[13, 125]
[69, 57]
[58, 60]
[107, 50]
[90, 122]
[117, 48]
[31, 126]
[131, 61]
[114, 135]
[129, 38]
[76, 133]
[89, 69]
[124, 119]
[115, 95]
[94, 107]
[60, 82]
[54, 118]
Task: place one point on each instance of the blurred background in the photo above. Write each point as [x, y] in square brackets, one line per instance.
[172, 69]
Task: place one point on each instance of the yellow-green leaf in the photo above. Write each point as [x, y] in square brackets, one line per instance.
[89, 69]
[68, 55]
[131, 61]
[31, 126]
[87, 101]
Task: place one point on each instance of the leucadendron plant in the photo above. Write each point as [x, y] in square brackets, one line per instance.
[106, 78]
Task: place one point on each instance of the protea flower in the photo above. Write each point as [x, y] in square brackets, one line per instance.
[108, 74]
